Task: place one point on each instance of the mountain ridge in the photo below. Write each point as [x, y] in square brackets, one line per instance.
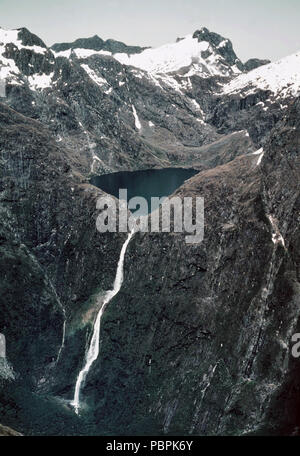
[97, 44]
[160, 119]
[203, 34]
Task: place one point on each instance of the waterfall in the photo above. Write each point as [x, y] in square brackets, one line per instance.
[93, 350]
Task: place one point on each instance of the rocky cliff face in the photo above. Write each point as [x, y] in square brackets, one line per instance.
[51, 256]
[198, 339]
[214, 319]
[251, 64]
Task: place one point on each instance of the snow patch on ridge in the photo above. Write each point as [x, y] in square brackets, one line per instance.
[8, 68]
[80, 53]
[172, 57]
[259, 152]
[95, 160]
[277, 237]
[281, 77]
[66, 53]
[40, 81]
[137, 122]
[97, 79]
[84, 53]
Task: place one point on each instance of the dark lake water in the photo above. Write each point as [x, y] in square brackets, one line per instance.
[146, 183]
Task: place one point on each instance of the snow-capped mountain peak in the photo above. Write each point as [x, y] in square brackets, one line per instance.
[191, 53]
[202, 53]
[22, 39]
[24, 56]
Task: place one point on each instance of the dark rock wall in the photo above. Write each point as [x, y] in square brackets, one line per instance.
[215, 319]
[52, 261]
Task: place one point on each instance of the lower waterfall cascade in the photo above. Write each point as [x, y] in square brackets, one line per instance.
[93, 350]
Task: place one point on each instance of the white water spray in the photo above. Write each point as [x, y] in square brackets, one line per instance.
[93, 351]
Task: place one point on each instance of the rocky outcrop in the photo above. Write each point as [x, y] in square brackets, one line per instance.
[8, 432]
[251, 64]
[29, 39]
[97, 44]
[223, 45]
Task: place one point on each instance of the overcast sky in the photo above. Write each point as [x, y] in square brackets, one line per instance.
[257, 28]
